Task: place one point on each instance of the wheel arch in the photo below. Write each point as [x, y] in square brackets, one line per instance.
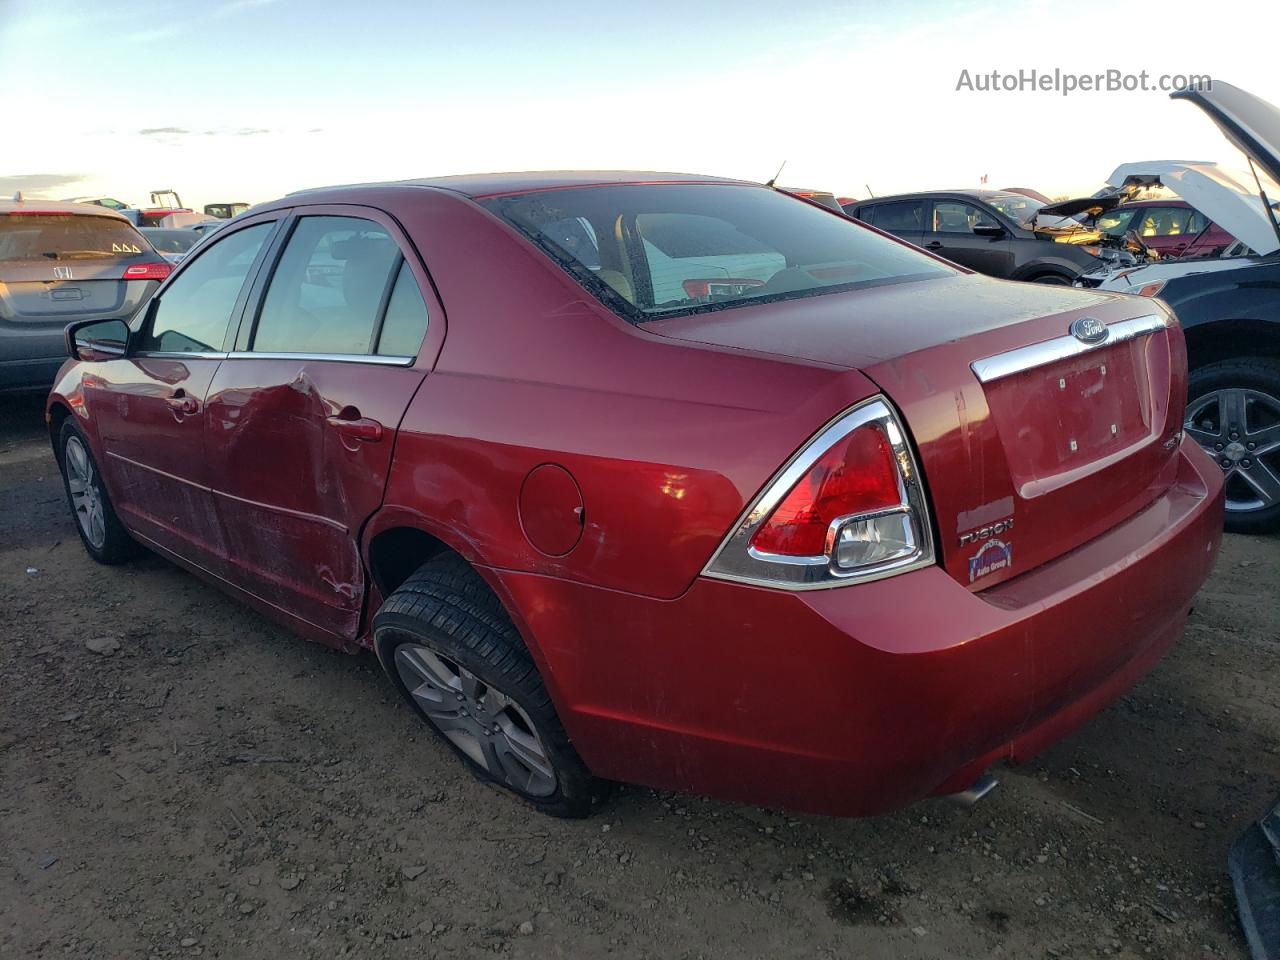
[1237, 338]
[398, 540]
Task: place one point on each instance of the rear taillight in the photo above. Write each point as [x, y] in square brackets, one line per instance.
[849, 507]
[148, 271]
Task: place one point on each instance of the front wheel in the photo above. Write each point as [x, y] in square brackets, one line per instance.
[451, 650]
[101, 532]
[1233, 412]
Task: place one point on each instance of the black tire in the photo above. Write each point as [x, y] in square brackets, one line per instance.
[1261, 377]
[1053, 279]
[447, 608]
[115, 545]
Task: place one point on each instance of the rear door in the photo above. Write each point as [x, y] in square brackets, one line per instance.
[150, 406]
[56, 267]
[950, 233]
[303, 415]
[902, 218]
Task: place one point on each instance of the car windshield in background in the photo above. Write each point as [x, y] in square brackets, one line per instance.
[63, 237]
[172, 241]
[650, 251]
[1016, 207]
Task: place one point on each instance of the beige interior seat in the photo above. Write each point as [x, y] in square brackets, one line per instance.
[620, 284]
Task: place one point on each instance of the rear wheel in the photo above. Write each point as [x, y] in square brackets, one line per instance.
[1233, 412]
[451, 650]
[100, 530]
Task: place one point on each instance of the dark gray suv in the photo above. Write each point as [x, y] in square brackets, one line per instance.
[61, 262]
[995, 232]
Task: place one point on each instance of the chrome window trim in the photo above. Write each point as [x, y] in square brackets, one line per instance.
[1061, 348]
[378, 359]
[735, 559]
[181, 354]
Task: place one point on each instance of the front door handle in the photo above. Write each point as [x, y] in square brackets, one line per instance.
[184, 403]
[933, 245]
[370, 431]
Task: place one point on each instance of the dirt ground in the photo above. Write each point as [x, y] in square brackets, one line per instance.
[216, 787]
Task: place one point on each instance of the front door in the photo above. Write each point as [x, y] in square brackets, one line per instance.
[301, 422]
[952, 235]
[150, 406]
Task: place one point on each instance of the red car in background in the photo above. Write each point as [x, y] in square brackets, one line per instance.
[1172, 228]
[657, 478]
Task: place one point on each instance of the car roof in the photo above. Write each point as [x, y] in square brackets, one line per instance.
[493, 184]
[925, 194]
[59, 206]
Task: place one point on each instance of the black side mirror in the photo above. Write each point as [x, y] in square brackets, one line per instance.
[97, 340]
[992, 230]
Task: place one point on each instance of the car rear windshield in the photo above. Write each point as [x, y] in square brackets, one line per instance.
[650, 251]
[74, 237]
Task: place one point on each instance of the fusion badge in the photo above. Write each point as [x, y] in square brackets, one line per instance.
[994, 555]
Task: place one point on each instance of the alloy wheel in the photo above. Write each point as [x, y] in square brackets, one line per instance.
[478, 718]
[1240, 429]
[86, 498]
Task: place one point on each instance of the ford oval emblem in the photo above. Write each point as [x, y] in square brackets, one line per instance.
[1089, 330]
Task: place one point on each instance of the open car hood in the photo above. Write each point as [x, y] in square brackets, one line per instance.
[1227, 198]
[1069, 208]
[1250, 123]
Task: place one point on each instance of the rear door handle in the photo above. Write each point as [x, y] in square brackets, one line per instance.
[370, 431]
[183, 403]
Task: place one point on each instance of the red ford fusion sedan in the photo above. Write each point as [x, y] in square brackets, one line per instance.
[672, 480]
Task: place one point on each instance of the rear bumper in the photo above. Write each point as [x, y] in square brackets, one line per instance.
[860, 699]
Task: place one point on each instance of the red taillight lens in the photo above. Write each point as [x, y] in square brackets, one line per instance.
[148, 271]
[857, 475]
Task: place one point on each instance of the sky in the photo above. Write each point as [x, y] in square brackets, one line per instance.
[245, 100]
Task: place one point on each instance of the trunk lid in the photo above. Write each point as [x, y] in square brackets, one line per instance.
[1031, 440]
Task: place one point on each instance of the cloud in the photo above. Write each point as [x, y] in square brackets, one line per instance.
[29, 182]
[251, 131]
[162, 131]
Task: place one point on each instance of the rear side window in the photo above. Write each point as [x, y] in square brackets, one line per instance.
[195, 308]
[660, 250]
[903, 215]
[1116, 222]
[329, 288]
[57, 238]
[406, 319]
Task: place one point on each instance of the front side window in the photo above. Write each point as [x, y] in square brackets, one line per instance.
[192, 313]
[951, 216]
[660, 250]
[328, 289]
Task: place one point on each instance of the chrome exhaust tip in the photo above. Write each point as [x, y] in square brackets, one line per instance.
[975, 791]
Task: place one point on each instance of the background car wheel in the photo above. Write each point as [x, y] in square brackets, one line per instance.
[1056, 279]
[1233, 412]
[100, 529]
[451, 650]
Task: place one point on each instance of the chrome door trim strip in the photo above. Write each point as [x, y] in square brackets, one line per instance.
[340, 357]
[1061, 348]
